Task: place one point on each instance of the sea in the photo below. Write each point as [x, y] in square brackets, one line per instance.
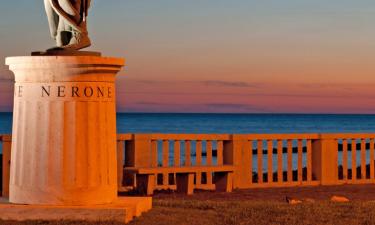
[205, 123]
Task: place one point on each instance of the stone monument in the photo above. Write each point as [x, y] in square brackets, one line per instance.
[64, 120]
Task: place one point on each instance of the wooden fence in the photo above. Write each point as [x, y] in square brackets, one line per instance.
[260, 160]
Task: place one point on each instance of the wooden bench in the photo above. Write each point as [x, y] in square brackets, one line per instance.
[223, 177]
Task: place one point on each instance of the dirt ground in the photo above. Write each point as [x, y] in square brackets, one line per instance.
[253, 206]
[356, 192]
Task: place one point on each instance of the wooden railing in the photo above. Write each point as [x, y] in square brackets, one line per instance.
[260, 160]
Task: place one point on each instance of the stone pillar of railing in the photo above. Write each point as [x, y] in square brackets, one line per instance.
[138, 154]
[120, 163]
[324, 160]
[7, 143]
[138, 151]
[237, 153]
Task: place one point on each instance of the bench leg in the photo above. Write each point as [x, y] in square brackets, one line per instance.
[185, 183]
[224, 181]
[146, 183]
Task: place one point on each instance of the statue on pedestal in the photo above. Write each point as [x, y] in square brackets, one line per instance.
[68, 24]
[63, 158]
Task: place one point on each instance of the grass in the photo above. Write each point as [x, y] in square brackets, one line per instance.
[198, 212]
[250, 212]
[254, 206]
[2, 222]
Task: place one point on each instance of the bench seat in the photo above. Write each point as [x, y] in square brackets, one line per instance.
[145, 177]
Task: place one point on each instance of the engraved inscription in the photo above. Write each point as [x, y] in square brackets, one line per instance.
[74, 91]
[18, 91]
[88, 91]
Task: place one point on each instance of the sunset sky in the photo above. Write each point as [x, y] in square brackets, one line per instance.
[239, 56]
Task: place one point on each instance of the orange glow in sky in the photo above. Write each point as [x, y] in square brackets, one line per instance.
[221, 56]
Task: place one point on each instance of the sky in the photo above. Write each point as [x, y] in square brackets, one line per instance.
[219, 56]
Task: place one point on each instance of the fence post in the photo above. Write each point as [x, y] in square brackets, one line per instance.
[138, 151]
[7, 143]
[236, 152]
[120, 163]
[137, 154]
[324, 160]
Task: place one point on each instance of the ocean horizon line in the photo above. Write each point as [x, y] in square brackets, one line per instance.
[235, 113]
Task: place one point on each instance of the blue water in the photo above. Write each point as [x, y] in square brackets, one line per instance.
[244, 123]
[233, 123]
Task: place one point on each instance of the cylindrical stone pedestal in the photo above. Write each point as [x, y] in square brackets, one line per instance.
[64, 130]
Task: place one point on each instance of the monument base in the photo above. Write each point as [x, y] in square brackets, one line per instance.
[64, 129]
[123, 210]
[65, 52]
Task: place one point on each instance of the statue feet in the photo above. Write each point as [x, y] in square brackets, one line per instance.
[66, 40]
[78, 41]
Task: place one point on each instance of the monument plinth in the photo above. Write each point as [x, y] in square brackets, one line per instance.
[63, 157]
[64, 130]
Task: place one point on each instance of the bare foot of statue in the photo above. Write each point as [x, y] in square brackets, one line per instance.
[78, 41]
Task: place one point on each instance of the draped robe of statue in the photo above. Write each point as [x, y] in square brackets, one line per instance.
[67, 22]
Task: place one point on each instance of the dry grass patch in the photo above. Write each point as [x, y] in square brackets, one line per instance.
[208, 212]
[41, 222]
[248, 212]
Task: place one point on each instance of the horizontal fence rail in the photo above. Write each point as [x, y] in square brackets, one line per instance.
[259, 160]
